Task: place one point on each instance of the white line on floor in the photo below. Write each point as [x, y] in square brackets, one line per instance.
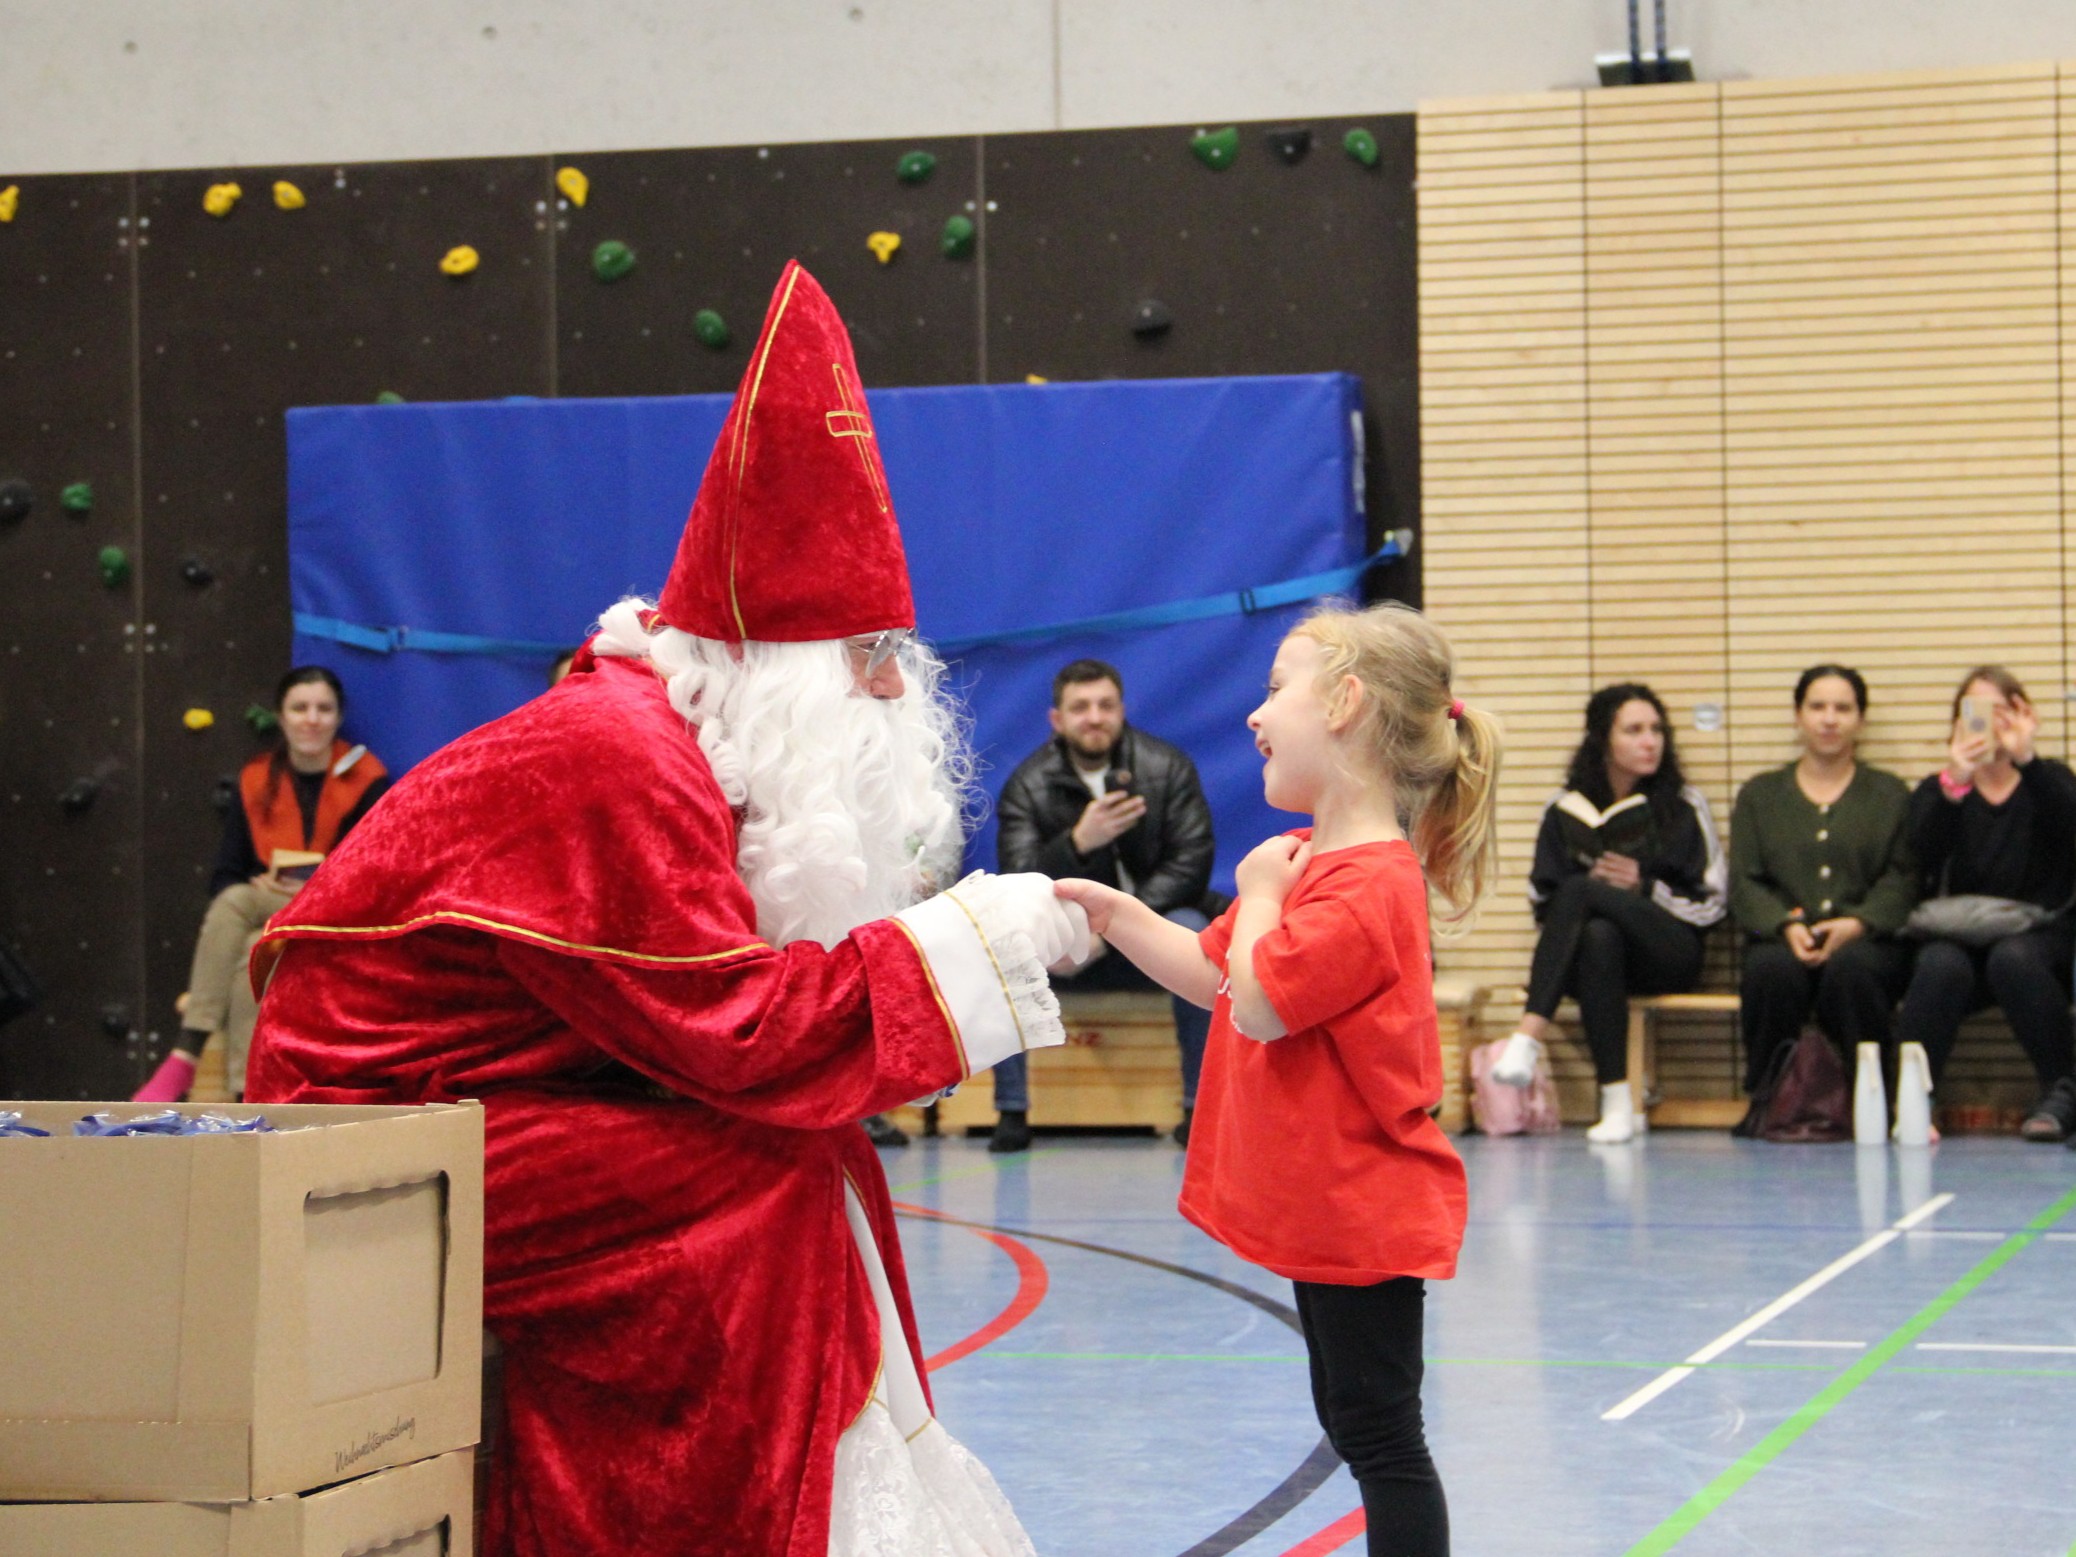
[1957, 1232]
[1774, 1310]
[1989, 1346]
[1841, 1345]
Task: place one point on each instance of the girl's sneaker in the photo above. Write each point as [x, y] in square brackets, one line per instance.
[1517, 1061]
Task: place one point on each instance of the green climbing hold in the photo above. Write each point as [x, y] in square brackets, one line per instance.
[390, 397]
[1216, 148]
[78, 498]
[115, 566]
[959, 238]
[611, 260]
[711, 329]
[915, 167]
[260, 719]
[1362, 146]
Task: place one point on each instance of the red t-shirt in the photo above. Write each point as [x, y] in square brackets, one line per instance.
[1313, 1155]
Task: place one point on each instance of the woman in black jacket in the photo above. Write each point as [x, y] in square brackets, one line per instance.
[1629, 873]
[1999, 820]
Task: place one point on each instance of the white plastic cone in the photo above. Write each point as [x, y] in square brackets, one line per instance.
[1870, 1099]
[1914, 1097]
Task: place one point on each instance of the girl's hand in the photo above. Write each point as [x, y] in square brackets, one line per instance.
[1097, 901]
[2015, 727]
[1271, 869]
[267, 881]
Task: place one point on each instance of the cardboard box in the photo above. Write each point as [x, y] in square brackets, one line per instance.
[227, 1318]
[421, 1510]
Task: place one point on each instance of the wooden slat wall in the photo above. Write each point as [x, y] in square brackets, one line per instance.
[1719, 381]
[1891, 353]
[1655, 486]
[1503, 437]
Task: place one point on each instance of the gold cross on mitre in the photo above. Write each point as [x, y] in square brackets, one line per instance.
[852, 422]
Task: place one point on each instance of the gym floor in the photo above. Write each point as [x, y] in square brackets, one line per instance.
[1691, 1343]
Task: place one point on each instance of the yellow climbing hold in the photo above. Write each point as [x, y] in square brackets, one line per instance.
[460, 260]
[574, 186]
[883, 245]
[10, 201]
[198, 719]
[288, 197]
[219, 198]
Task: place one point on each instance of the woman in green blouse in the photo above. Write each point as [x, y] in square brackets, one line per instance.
[1821, 880]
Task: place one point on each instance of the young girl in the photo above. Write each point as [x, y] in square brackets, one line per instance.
[1312, 1153]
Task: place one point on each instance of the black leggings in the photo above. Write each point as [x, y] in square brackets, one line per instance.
[2027, 975]
[1364, 1344]
[1853, 991]
[1600, 944]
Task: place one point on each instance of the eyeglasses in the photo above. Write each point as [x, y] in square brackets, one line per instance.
[878, 648]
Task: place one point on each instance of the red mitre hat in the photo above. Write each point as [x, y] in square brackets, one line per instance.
[792, 537]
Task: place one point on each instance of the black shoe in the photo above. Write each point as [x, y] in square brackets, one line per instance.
[2054, 1117]
[1180, 1133]
[1012, 1132]
[884, 1132]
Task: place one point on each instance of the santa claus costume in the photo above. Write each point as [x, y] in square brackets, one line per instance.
[672, 923]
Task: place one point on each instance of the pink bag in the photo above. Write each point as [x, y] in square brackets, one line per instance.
[1498, 1109]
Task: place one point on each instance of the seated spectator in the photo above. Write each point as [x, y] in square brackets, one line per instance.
[300, 797]
[1821, 881]
[1628, 875]
[1999, 820]
[1105, 800]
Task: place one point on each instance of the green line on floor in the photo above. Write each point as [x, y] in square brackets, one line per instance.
[1768, 1449]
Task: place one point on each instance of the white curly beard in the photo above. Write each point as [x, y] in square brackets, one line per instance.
[852, 807]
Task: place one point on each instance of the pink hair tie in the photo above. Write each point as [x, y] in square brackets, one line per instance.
[1456, 709]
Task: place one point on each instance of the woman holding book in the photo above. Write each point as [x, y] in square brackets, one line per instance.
[296, 800]
[1628, 875]
[1821, 881]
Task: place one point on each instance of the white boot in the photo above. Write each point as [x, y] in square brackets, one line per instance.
[1617, 1117]
[1913, 1097]
[1516, 1064]
[1870, 1098]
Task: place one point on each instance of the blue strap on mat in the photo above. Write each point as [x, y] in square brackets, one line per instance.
[1242, 602]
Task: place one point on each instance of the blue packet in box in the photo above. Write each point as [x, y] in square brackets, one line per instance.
[171, 1122]
[11, 1124]
[224, 1124]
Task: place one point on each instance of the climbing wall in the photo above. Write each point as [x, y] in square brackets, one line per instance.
[159, 328]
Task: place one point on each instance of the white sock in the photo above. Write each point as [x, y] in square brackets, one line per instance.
[1516, 1064]
[1617, 1118]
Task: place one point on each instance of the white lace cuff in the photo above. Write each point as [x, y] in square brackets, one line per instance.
[987, 971]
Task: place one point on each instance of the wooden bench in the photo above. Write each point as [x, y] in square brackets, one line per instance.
[1119, 1068]
[1676, 1113]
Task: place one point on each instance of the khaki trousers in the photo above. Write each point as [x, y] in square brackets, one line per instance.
[219, 994]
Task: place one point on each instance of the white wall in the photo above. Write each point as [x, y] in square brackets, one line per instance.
[117, 84]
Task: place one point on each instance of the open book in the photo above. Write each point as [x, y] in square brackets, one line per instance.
[1626, 827]
[294, 864]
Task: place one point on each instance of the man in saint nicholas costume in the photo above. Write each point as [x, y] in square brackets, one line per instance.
[673, 923]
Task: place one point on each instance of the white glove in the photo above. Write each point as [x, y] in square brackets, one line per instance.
[1058, 929]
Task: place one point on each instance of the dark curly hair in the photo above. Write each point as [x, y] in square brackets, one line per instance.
[1588, 773]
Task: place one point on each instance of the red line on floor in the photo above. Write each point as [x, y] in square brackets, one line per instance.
[1031, 1284]
[1332, 1538]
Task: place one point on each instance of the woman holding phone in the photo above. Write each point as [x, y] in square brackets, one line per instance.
[296, 801]
[1999, 821]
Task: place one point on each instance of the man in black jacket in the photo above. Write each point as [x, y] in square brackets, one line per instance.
[1105, 801]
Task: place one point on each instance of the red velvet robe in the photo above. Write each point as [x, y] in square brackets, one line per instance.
[546, 915]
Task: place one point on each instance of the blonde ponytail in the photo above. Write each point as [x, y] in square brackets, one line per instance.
[1457, 833]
